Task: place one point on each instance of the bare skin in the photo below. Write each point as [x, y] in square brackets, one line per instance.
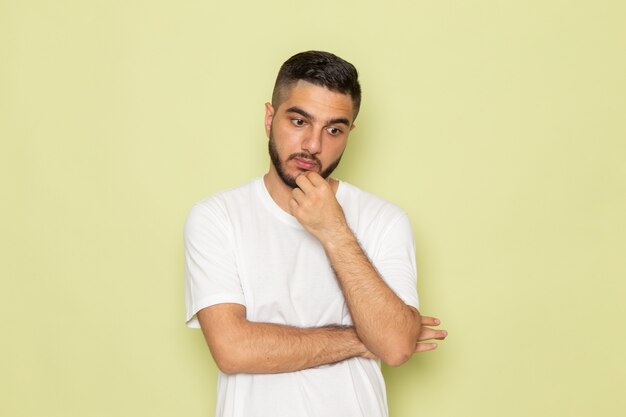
[239, 345]
[315, 121]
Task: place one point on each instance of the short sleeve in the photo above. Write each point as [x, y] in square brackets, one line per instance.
[210, 264]
[395, 260]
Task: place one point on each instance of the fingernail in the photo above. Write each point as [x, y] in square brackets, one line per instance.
[437, 321]
[445, 333]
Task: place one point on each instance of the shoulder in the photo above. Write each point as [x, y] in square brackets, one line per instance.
[371, 217]
[218, 207]
[368, 204]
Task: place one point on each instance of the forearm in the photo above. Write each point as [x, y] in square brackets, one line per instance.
[273, 348]
[385, 324]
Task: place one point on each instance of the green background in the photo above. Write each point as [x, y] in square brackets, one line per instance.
[499, 126]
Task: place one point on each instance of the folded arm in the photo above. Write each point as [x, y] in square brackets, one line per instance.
[388, 327]
[238, 345]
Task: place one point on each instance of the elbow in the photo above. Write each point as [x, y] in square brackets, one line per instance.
[394, 363]
[404, 345]
[226, 365]
[227, 359]
[399, 351]
[398, 358]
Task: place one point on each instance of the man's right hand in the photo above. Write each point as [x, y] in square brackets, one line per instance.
[426, 333]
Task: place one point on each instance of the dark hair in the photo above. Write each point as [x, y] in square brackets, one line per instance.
[319, 68]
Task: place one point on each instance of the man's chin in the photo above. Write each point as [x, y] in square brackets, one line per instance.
[288, 180]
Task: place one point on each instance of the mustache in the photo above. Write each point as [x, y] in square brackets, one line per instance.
[305, 155]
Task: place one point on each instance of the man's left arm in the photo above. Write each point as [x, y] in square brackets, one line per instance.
[387, 326]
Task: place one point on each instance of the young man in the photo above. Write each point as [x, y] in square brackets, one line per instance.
[301, 282]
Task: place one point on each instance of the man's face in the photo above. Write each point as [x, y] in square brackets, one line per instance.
[308, 131]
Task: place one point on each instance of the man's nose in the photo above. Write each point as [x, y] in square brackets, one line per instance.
[312, 143]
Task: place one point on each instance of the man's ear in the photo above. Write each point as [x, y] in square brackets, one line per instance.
[269, 116]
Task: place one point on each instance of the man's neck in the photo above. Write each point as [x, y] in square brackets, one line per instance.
[281, 193]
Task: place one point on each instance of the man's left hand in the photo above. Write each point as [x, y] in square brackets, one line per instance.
[314, 204]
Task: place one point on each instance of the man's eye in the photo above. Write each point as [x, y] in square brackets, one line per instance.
[334, 131]
[297, 122]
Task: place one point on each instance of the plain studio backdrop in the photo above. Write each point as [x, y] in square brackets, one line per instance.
[499, 126]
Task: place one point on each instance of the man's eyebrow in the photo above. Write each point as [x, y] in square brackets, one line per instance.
[301, 112]
[341, 120]
[304, 113]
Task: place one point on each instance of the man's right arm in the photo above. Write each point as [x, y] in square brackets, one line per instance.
[242, 346]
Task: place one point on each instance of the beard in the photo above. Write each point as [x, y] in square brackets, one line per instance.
[289, 180]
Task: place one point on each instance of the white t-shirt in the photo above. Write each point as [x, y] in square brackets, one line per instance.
[241, 247]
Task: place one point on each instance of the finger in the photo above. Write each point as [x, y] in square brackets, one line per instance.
[304, 183]
[430, 321]
[298, 195]
[424, 347]
[293, 206]
[315, 178]
[427, 334]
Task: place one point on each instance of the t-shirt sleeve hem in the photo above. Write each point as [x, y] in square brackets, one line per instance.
[192, 318]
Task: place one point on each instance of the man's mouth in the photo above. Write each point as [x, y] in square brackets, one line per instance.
[306, 164]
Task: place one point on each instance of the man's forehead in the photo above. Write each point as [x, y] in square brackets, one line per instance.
[315, 98]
